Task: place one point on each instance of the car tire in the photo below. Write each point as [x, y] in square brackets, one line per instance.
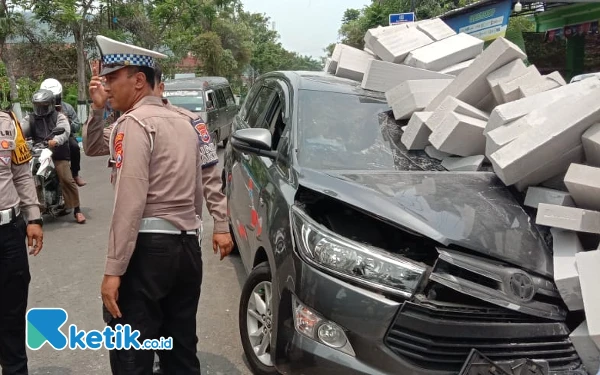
[258, 280]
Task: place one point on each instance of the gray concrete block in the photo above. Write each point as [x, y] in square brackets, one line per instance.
[548, 82]
[471, 85]
[591, 145]
[536, 195]
[395, 44]
[416, 136]
[470, 163]
[563, 126]
[436, 29]
[383, 76]
[510, 89]
[451, 104]
[570, 218]
[565, 246]
[459, 135]
[508, 72]
[500, 137]
[455, 70]
[433, 153]
[588, 264]
[555, 182]
[353, 64]
[412, 96]
[587, 350]
[445, 53]
[583, 183]
[545, 173]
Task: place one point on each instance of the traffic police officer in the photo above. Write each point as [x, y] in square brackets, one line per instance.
[153, 269]
[18, 203]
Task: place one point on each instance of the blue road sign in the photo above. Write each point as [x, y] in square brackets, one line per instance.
[398, 18]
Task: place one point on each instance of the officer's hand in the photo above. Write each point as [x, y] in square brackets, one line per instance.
[110, 294]
[223, 242]
[97, 93]
[52, 143]
[35, 236]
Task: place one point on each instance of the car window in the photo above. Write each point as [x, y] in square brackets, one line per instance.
[212, 100]
[259, 108]
[221, 102]
[188, 99]
[250, 98]
[342, 131]
[229, 96]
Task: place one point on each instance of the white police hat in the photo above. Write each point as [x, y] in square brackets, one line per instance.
[117, 55]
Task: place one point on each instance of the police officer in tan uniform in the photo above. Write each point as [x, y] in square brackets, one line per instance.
[96, 143]
[153, 269]
[19, 219]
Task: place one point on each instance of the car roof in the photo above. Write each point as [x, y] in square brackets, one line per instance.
[322, 81]
[195, 83]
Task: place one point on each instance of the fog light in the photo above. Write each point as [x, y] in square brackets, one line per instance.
[332, 335]
[310, 324]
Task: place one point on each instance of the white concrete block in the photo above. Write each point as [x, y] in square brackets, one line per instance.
[487, 103]
[563, 126]
[455, 70]
[353, 64]
[536, 195]
[471, 84]
[394, 45]
[412, 96]
[370, 52]
[383, 76]
[433, 153]
[451, 104]
[335, 57]
[470, 163]
[500, 137]
[445, 53]
[555, 182]
[416, 136]
[436, 29]
[508, 72]
[565, 246]
[545, 173]
[569, 218]
[548, 82]
[591, 145]
[327, 66]
[586, 349]
[459, 135]
[588, 264]
[510, 89]
[374, 33]
[583, 183]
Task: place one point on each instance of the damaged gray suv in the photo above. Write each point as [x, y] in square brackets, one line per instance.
[366, 258]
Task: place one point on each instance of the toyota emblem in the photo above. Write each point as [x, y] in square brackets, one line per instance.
[522, 287]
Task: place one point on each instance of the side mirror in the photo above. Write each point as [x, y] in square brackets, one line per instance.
[254, 141]
[209, 104]
[58, 131]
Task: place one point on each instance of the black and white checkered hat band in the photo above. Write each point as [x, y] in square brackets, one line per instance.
[128, 59]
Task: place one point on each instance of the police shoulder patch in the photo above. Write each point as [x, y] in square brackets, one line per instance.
[202, 130]
[119, 149]
[208, 149]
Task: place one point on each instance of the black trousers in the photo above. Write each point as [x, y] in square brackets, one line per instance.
[14, 289]
[75, 156]
[159, 296]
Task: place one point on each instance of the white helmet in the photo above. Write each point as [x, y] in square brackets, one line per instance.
[54, 86]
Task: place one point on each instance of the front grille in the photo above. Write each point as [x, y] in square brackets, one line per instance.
[438, 338]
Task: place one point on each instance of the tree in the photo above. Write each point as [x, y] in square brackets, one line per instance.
[9, 21]
[350, 15]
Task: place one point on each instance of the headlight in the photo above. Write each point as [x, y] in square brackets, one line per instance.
[349, 259]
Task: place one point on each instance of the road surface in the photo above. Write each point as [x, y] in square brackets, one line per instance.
[68, 272]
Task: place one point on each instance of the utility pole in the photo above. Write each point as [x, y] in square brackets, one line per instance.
[412, 5]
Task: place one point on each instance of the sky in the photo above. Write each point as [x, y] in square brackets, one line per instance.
[305, 26]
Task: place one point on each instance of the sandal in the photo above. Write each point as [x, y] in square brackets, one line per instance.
[80, 218]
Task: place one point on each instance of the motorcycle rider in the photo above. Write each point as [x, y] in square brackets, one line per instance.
[64, 107]
[44, 119]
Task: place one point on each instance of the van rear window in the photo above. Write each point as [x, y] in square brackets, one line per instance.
[190, 100]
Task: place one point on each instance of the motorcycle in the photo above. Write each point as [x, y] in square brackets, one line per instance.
[46, 179]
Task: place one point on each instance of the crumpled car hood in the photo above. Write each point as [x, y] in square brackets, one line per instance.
[473, 210]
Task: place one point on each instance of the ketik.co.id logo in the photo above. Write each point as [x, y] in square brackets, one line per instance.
[44, 324]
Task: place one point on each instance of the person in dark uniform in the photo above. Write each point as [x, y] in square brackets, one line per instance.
[20, 220]
[153, 269]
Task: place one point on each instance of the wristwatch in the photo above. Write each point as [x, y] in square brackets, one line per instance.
[39, 222]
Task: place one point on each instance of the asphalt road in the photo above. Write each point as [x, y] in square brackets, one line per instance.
[68, 272]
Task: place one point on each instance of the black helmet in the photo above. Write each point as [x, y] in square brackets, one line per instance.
[43, 103]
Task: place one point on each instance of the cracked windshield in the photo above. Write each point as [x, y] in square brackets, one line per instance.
[264, 187]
